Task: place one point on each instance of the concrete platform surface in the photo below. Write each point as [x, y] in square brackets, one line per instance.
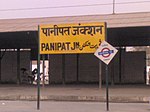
[89, 92]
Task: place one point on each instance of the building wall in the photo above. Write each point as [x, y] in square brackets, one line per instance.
[25, 61]
[132, 71]
[70, 68]
[88, 68]
[134, 65]
[132, 68]
[9, 65]
[55, 71]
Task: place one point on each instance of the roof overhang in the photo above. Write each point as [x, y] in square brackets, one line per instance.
[113, 21]
[123, 29]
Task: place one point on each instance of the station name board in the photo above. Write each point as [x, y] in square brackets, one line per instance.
[71, 38]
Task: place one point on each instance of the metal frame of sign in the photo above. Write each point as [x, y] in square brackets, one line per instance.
[38, 75]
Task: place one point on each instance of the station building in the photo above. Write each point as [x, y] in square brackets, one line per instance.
[128, 32]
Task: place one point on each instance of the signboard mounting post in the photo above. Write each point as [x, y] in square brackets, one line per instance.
[68, 39]
[38, 75]
[106, 52]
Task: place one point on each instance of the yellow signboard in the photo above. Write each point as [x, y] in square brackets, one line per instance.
[71, 38]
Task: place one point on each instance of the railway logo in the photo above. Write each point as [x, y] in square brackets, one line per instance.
[105, 52]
